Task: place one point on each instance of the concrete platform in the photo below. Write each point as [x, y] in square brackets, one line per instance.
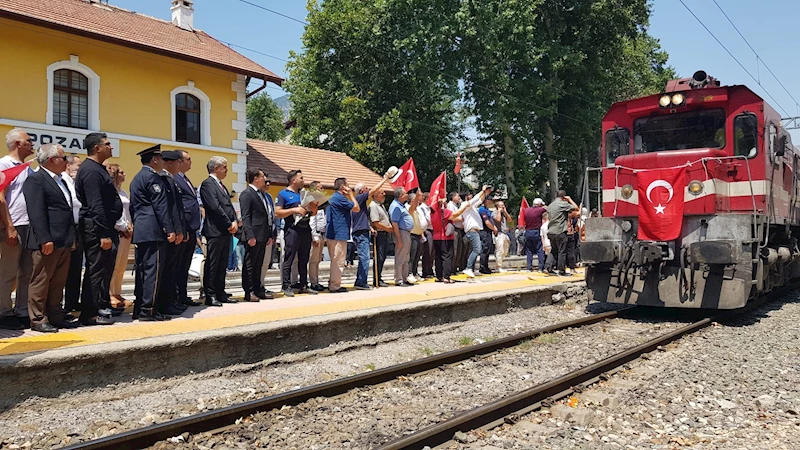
[210, 337]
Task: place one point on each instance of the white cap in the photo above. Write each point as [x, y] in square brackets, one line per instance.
[538, 201]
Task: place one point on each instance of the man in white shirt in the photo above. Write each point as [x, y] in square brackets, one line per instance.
[319, 225]
[426, 245]
[472, 226]
[16, 263]
[459, 254]
[72, 290]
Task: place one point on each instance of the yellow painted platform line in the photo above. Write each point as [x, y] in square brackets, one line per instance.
[105, 334]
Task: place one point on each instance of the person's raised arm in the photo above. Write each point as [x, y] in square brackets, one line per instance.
[378, 186]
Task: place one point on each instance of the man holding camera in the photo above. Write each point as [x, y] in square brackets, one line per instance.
[341, 204]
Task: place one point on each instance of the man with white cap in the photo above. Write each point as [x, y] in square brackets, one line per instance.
[533, 238]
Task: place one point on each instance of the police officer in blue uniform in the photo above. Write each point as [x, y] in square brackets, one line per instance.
[153, 230]
[168, 302]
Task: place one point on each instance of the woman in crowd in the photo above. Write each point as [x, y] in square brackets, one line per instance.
[125, 227]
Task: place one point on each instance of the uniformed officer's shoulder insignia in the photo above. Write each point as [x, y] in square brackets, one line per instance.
[156, 188]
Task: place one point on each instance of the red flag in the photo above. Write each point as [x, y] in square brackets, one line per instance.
[457, 170]
[406, 176]
[522, 207]
[8, 175]
[660, 203]
[438, 190]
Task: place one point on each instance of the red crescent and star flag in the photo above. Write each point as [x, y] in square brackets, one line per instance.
[8, 175]
[438, 190]
[406, 176]
[660, 203]
[457, 169]
[523, 206]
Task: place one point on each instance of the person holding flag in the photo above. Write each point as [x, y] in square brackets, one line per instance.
[443, 230]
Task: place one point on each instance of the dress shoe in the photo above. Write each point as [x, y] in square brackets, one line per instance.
[288, 293]
[69, 318]
[341, 290]
[64, 324]
[228, 294]
[171, 311]
[317, 287]
[265, 296]
[213, 302]
[44, 327]
[295, 286]
[189, 302]
[252, 298]
[156, 317]
[227, 300]
[97, 320]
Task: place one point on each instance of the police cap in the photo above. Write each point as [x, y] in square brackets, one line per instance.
[154, 150]
[171, 155]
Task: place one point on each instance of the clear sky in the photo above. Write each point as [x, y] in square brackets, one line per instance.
[766, 24]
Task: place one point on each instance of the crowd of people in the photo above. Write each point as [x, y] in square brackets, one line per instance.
[68, 227]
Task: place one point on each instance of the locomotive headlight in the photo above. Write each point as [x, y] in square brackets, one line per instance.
[627, 191]
[696, 187]
[678, 100]
[664, 101]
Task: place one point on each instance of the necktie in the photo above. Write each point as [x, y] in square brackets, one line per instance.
[191, 187]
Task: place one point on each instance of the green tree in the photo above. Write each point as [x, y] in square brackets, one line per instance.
[378, 80]
[264, 119]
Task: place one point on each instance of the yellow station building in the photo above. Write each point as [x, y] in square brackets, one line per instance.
[76, 66]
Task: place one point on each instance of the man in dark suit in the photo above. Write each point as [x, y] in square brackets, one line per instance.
[219, 226]
[272, 224]
[191, 219]
[51, 237]
[101, 207]
[168, 301]
[256, 234]
[153, 230]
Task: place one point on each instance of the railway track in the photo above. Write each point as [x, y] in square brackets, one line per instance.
[486, 416]
[224, 417]
[495, 414]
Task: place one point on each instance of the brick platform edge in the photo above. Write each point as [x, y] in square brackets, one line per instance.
[53, 372]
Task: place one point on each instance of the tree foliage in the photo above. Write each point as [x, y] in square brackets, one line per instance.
[264, 119]
[383, 80]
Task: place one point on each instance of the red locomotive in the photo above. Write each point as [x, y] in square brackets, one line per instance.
[699, 199]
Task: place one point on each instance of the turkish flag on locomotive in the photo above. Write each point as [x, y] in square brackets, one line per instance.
[660, 203]
[406, 177]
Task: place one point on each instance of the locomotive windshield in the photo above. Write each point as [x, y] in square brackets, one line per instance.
[696, 129]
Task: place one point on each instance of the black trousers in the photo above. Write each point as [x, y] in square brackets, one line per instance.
[558, 246]
[427, 254]
[184, 262]
[298, 245]
[415, 254]
[572, 251]
[167, 292]
[72, 290]
[487, 244]
[216, 265]
[443, 259]
[460, 251]
[150, 260]
[381, 247]
[97, 280]
[251, 269]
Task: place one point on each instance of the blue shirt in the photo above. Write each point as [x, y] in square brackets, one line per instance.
[485, 215]
[339, 218]
[400, 215]
[287, 200]
[361, 218]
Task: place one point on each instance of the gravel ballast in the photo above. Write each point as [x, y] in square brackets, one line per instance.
[731, 386]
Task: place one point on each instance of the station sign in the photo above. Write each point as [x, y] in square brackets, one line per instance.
[72, 141]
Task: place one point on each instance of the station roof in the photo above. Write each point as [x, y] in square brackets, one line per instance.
[120, 26]
[325, 166]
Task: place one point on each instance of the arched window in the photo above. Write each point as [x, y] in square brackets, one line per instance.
[70, 99]
[187, 118]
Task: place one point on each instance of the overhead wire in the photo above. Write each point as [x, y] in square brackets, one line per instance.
[732, 56]
[758, 57]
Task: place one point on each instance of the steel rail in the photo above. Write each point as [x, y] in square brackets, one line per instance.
[218, 418]
[443, 432]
